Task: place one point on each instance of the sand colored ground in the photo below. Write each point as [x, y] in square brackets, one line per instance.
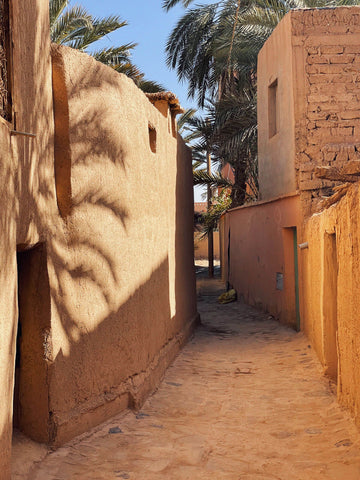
[245, 400]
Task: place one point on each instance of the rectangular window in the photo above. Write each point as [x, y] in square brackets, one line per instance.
[5, 94]
[272, 108]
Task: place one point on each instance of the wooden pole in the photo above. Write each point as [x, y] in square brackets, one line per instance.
[210, 235]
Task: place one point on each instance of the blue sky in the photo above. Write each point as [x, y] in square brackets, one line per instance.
[149, 26]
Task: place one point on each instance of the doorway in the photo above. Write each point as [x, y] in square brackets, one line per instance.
[330, 306]
[291, 277]
[30, 404]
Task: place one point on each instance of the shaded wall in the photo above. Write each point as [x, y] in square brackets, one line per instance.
[261, 255]
[26, 188]
[103, 286]
[120, 268]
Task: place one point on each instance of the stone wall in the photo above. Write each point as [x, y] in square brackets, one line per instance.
[328, 125]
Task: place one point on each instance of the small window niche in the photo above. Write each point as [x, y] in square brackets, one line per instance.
[272, 108]
[152, 138]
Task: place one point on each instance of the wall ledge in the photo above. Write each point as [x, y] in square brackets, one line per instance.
[264, 202]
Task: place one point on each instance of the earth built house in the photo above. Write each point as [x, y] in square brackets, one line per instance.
[97, 279]
[295, 253]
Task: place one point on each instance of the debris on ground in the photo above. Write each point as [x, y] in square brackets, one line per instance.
[227, 297]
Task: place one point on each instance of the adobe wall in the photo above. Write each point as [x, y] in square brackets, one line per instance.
[340, 220]
[327, 107]
[26, 187]
[100, 228]
[201, 246]
[276, 151]
[313, 57]
[262, 251]
[121, 270]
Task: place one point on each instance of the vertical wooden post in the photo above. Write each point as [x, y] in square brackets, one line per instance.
[210, 235]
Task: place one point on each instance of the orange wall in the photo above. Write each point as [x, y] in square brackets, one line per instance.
[341, 220]
[276, 153]
[260, 247]
[201, 246]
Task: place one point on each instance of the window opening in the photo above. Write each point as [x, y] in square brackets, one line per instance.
[152, 138]
[272, 108]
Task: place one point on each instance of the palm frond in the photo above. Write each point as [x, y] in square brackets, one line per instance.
[99, 28]
[56, 7]
[168, 4]
[69, 25]
[149, 86]
[201, 177]
[114, 56]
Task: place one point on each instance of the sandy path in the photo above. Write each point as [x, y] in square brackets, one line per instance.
[245, 400]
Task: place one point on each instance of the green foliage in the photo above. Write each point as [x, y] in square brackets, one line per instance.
[210, 219]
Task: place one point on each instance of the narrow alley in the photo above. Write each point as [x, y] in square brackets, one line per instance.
[245, 399]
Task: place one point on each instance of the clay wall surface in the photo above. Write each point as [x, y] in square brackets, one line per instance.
[276, 151]
[27, 188]
[121, 271]
[261, 248]
[341, 221]
[201, 246]
[97, 277]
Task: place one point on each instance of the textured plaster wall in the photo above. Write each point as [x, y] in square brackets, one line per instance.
[341, 219]
[120, 272]
[277, 152]
[103, 228]
[260, 248]
[26, 189]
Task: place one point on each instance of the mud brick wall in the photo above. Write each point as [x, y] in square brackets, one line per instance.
[328, 132]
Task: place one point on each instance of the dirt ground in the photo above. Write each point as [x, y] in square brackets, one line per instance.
[245, 400]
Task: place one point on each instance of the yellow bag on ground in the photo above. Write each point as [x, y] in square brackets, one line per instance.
[228, 297]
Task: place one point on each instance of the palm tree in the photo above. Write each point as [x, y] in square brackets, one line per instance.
[74, 27]
[198, 133]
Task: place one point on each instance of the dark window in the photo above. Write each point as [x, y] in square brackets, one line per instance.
[272, 109]
[152, 138]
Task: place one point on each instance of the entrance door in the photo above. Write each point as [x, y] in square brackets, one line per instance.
[31, 411]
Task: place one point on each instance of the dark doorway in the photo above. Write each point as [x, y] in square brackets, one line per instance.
[291, 277]
[31, 410]
[330, 306]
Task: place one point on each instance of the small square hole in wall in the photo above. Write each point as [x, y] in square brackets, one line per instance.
[272, 108]
[152, 138]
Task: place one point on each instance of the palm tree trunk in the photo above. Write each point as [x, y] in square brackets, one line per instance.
[238, 191]
[210, 234]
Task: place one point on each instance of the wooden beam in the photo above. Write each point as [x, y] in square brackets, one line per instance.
[335, 174]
